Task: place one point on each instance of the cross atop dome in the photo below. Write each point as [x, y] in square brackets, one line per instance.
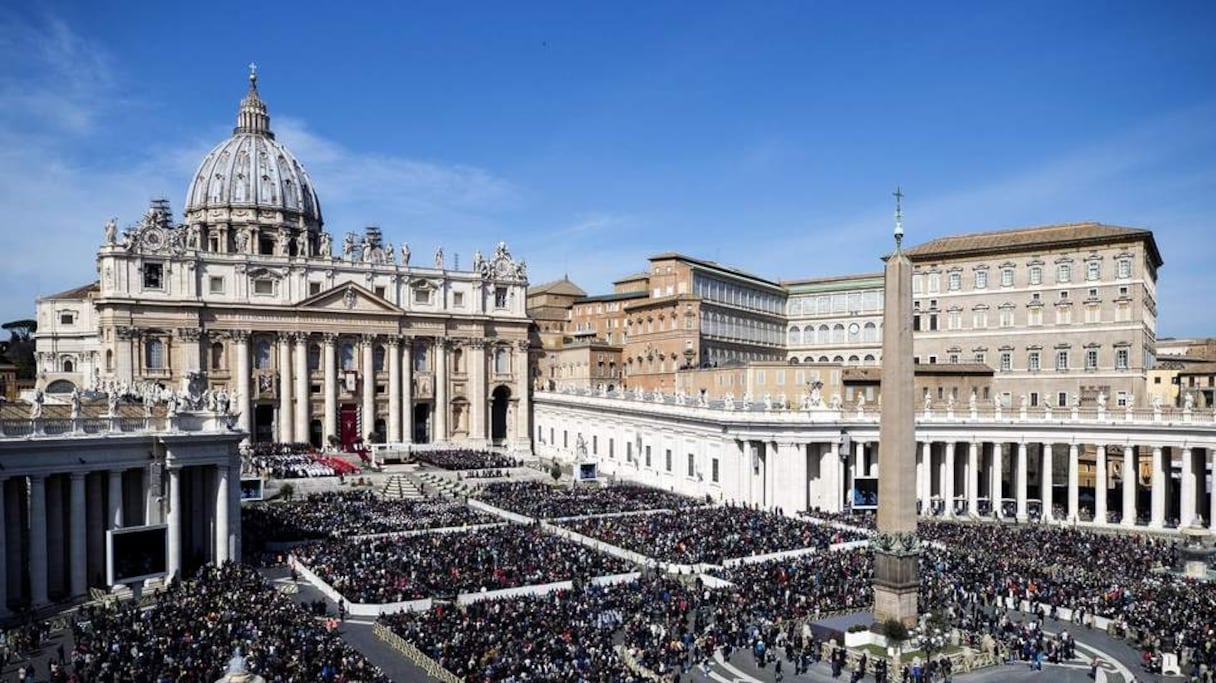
[253, 116]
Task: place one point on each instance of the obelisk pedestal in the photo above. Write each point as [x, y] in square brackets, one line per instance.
[896, 547]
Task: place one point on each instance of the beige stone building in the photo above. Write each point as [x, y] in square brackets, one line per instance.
[835, 319]
[1060, 312]
[248, 294]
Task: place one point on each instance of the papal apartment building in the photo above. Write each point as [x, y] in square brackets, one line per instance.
[315, 341]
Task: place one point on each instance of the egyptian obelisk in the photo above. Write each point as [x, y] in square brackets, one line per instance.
[896, 548]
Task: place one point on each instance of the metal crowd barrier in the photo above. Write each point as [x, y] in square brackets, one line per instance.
[406, 649]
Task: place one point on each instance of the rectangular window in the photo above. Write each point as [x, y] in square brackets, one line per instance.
[500, 297]
[379, 291]
[1124, 268]
[154, 276]
[692, 465]
[981, 279]
[215, 285]
[1036, 275]
[954, 358]
[713, 470]
[611, 449]
[1091, 359]
[648, 455]
[1064, 315]
[956, 281]
[1093, 314]
[314, 288]
[1064, 273]
[1062, 399]
[667, 459]
[981, 357]
[422, 296]
[1061, 360]
[263, 287]
[595, 444]
[1121, 357]
[1093, 270]
[1034, 317]
[458, 299]
[565, 439]
[1033, 362]
[1006, 317]
[66, 318]
[1006, 361]
[935, 283]
[1007, 277]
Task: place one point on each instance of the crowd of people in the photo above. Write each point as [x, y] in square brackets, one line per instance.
[540, 500]
[401, 568]
[193, 629]
[709, 535]
[467, 459]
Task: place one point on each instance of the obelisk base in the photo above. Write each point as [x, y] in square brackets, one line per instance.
[896, 583]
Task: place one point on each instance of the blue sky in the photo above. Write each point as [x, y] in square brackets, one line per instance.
[765, 135]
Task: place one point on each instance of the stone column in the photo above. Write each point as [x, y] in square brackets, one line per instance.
[924, 474]
[286, 433]
[369, 385]
[192, 349]
[3, 549]
[834, 479]
[301, 393]
[114, 518]
[1020, 478]
[1101, 481]
[407, 389]
[523, 413]
[124, 366]
[1047, 482]
[175, 521]
[1157, 511]
[973, 478]
[1074, 481]
[78, 560]
[1186, 506]
[439, 351]
[222, 554]
[1129, 486]
[38, 540]
[329, 360]
[476, 354]
[1211, 454]
[948, 479]
[242, 404]
[997, 488]
[394, 389]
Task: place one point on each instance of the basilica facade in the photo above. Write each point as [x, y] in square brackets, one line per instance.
[315, 339]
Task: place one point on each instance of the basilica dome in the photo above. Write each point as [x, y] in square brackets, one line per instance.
[252, 174]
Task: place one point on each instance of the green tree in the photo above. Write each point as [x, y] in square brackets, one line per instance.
[21, 346]
[555, 471]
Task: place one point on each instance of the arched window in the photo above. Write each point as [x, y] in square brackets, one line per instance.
[502, 361]
[458, 360]
[838, 333]
[854, 360]
[261, 354]
[824, 359]
[378, 358]
[869, 333]
[838, 359]
[795, 336]
[347, 355]
[109, 360]
[808, 359]
[217, 356]
[314, 357]
[854, 333]
[870, 360]
[68, 365]
[825, 335]
[420, 358]
[154, 354]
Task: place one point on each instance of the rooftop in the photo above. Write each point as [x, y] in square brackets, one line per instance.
[563, 287]
[1032, 239]
[713, 265]
[81, 292]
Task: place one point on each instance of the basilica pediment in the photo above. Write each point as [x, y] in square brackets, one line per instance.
[348, 297]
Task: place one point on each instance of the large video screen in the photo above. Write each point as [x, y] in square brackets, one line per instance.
[865, 492]
[587, 471]
[137, 553]
[252, 489]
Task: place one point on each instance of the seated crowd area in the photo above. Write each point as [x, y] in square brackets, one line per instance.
[540, 500]
[290, 461]
[710, 535]
[467, 459]
[400, 568]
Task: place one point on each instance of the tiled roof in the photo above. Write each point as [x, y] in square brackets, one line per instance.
[81, 292]
[633, 278]
[563, 286]
[1029, 239]
[713, 265]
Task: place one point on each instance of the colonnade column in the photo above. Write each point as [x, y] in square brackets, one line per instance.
[221, 515]
[78, 579]
[923, 475]
[301, 393]
[973, 478]
[835, 478]
[242, 403]
[114, 518]
[1020, 477]
[328, 359]
[285, 432]
[1100, 483]
[369, 385]
[1186, 506]
[476, 358]
[407, 388]
[175, 520]
[1129, 486]
[439, 433]
[522, 432]
[394, 390]
[1074, 481]
[1211, 452]
[1047, 482]
[948, 479]
[37, 496]
[996, 489]
[1157, 511]
[3, 549]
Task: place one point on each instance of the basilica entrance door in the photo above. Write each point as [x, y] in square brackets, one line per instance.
[348, 425]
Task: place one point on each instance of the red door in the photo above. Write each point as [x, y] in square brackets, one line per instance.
[348, 426]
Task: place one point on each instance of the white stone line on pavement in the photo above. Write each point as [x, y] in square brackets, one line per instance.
[739, 676]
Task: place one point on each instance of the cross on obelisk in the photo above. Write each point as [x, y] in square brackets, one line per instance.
[896, 548]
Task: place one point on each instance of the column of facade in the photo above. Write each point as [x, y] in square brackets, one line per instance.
[1047, 482]
[3, 549]
[476, 355]
[1211, 454]
[923, 474]
[790, 489]
[301, 394]
[394, 390]
[329, 360]
[948, 479]
[1100, 485]
[1157, 510]
[175, 521]
[242, 403]
[286, 433]
[834, 476]
[439, 429]
[1020, 476]
[221, 515]
[114, 516]
[1129, 486]
[190, 338]
[78, 560]
[38, 540]
[1074, 481]
[1186, 506]
[973, 478]
[369, 385]
[407, 389]
[524, 402]
[996, 489]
